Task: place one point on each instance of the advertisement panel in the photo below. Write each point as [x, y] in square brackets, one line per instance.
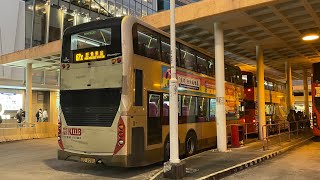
[188, 81]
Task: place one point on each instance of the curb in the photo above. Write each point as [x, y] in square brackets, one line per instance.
[247, 164]
[239, 167]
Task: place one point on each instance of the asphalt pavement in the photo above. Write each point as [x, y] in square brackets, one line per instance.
[36, 160]
[301, 163]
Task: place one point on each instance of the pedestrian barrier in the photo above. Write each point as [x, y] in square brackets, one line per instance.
[22, 131]
[11, 134]
[277, 133]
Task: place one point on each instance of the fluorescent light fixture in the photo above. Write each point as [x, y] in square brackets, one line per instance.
[310, 37]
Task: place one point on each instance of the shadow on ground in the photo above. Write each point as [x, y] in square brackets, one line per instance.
[103, 170]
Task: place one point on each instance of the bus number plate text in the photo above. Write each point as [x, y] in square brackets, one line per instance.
[88, 160]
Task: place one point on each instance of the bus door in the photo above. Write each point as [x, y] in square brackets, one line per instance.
[154, 123]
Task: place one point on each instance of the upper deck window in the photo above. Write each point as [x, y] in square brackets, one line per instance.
[146, 42]
[91, 39]
[188, 59]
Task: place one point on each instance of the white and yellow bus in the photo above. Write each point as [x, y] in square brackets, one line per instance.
[114, 101]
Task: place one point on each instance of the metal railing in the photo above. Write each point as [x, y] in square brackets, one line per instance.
[283, 131]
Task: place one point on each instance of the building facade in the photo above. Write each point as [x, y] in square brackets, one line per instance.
[33, 23]
[47, 19]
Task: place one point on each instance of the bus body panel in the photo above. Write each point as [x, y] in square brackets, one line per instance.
[98, 74]
[138, 149]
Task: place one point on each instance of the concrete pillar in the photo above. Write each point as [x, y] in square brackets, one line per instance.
[306, 92]
[261, 94]
[28, 104]
[289, 86]
[220, 88]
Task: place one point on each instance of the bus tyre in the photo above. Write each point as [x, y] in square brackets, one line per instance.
[166, 152]
[191, 144]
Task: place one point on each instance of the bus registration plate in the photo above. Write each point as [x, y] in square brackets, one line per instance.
[88, 160]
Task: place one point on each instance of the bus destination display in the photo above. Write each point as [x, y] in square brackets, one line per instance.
[89, 55]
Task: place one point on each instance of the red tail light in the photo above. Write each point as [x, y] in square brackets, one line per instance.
[242, 120]
[254, 120]
[59, 134]
[63, 66]
[121, 135]
[249, 90]
[119, 60]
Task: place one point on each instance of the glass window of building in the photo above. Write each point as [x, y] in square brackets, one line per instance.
[74, 8]
[145, 2]
[138, 9]
[85, 4]
[56, 2]
[125, 7]
[144, 10]
[55, 24]
[68, 20]
[64, 3]
[95, 6]
[118, 8]
[28, 21]
[76, 2]
[150, 11]
[94, 15]
[39, 23]
[112, 8]
[132, 8]
[104, 7]
[80, 19]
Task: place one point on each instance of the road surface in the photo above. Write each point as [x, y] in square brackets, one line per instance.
[300, 163]
[36, 159]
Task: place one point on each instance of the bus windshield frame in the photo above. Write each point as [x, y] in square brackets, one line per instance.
[108, 48]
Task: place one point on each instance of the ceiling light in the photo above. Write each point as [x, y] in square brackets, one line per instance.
[310, 37]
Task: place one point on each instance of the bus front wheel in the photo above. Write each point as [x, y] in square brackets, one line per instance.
[191, 144]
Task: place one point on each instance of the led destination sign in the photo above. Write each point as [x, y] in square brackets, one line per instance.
[89, 55]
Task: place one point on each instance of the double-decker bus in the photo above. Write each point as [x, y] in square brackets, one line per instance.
[275, 101]
[114, 94]
[315, 92]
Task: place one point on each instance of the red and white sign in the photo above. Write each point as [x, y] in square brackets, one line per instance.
[71, 131]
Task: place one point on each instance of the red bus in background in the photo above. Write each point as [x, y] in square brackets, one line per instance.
[275, 104]
[248, 101]
[315, 91]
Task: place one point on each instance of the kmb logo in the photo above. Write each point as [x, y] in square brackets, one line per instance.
[72, 131]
